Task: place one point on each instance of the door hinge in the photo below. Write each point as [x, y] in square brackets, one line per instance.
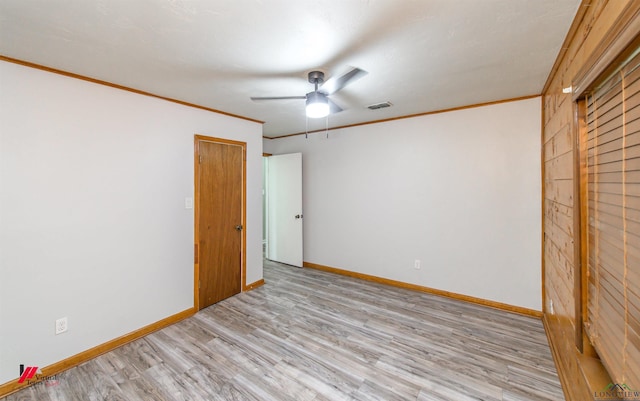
[199, 283]
[200, 159]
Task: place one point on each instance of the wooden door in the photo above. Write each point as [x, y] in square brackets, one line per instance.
[219, 220]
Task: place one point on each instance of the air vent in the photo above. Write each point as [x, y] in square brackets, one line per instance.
[379, 106]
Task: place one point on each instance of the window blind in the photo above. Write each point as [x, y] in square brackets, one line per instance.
[613, 229]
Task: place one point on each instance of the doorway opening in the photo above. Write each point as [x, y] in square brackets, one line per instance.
[282, 204]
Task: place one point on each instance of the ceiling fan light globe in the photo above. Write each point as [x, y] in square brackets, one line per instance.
[317, 110]
[317, 105]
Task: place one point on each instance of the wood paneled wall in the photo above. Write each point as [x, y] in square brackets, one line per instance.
[560, 264]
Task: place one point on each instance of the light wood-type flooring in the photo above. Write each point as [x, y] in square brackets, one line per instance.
[312, 335]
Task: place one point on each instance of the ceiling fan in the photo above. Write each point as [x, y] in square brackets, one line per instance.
[318, 102]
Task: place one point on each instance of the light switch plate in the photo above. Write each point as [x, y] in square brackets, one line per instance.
[61, 325]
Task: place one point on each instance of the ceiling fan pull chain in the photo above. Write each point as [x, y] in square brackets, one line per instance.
[306, 127]
[326, 126]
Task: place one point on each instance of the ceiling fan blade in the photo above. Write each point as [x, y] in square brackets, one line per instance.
[334, 84]
[333, 107]
[276, 97]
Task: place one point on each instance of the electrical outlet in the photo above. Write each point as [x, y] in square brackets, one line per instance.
[61, 325]
[416, 264]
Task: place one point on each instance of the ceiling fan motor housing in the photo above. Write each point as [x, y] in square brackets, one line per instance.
[316, 97]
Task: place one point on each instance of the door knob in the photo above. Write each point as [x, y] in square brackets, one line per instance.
[239, 227]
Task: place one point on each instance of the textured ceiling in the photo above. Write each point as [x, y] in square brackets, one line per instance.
[421, 55]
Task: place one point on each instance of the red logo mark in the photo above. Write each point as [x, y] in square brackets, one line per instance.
[28, 373]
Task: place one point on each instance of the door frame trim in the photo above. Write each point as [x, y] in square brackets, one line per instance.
[196, 216]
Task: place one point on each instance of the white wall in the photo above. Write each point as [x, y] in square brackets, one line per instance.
[93, 226]
[458, 190]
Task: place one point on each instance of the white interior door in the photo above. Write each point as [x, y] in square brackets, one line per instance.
[284, 208]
